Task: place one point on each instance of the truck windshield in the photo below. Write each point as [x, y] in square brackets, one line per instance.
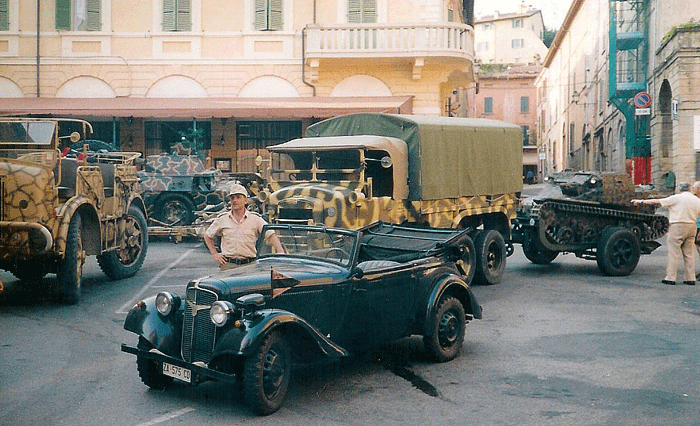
[316, 165]
[27, 133]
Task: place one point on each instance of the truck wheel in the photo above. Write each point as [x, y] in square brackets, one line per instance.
[447, 337]
[266, 375]
[149, 370]
[536, 253]
[70, 269]
[127, 260]
[490, 257]
[618, 251]
[174, 209]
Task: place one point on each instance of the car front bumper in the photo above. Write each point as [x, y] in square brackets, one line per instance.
[200, 372]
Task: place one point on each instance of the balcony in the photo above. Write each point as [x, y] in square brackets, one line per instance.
[447, 42]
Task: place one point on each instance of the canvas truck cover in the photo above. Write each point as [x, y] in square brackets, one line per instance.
[448, 157]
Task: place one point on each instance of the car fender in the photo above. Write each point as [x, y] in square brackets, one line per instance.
[245, 340]
[163, 332]
[455, 286]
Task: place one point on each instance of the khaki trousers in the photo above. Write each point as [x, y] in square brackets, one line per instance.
[681, 239]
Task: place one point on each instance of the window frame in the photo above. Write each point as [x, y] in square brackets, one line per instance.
[488, 105]
[362, 11]
[176, 16]
[524, 104]
[65, 15]
[268, 15]
[4, 15]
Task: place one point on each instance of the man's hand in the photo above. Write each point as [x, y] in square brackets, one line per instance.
[219, 258]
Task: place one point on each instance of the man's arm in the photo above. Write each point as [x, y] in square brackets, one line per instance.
[219, 258]
[276, 243]
[654, 201]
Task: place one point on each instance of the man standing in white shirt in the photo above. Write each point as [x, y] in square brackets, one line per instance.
[683, 212]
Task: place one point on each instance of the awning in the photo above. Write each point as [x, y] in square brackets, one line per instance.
[205, 107]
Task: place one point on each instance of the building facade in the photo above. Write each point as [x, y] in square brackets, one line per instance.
[618, 91]
[235, 76]
[510, 38]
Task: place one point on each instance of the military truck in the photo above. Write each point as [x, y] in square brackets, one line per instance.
[54, 211]
[590, 215]
[175, 186]
[441, 172]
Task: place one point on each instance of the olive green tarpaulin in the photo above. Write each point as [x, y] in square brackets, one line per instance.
[448, 157]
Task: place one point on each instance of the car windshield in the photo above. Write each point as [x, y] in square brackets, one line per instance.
[328, 244]
[316, 165]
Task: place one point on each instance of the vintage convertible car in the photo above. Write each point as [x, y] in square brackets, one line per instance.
[332, 292]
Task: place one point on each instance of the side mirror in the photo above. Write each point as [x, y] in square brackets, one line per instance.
[386, 162]
[258, 160]
[74, 137]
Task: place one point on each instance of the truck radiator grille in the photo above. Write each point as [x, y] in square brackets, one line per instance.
[298, 214]
[198, 332]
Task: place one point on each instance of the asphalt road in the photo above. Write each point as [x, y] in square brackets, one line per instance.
[558, 345]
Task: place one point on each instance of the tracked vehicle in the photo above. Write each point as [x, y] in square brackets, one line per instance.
[589, 214]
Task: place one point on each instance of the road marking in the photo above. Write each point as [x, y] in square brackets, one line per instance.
[166, 417]
[127, 306]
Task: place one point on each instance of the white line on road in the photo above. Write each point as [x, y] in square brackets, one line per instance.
[166, 417]
[125, 307]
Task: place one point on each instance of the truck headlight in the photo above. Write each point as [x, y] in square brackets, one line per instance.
[167, 303]
[219, 312]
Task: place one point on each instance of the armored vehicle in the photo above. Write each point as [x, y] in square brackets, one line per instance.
[441, 172]
[589, 214]
[54, 211]
[175, 186]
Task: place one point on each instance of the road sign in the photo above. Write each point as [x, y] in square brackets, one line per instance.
[642, 111]
[642, 100]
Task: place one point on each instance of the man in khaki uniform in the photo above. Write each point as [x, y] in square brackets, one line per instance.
[239, 230]
[683, 212]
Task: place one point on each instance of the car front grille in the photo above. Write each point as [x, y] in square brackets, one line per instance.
[198, 332]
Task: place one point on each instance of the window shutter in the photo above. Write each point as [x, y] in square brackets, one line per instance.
[260, 15]
[169, 15]
[369, 11]
[276, 22]
[94, 23]
[4, 16]
[184, 20]
[63, 14]
[354, 11]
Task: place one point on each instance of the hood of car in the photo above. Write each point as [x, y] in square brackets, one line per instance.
[257, 277]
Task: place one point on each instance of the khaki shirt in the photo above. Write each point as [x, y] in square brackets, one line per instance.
[237, 238]
[682, 208]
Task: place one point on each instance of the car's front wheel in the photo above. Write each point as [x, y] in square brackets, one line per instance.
[149, 370]
[447, 337]
[267, 373]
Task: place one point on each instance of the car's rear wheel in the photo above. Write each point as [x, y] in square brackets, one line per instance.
[467, 259]
[267, 373]
[70, 270]
[447, 337]
[535, 252]
[127, 260]
[149, 370]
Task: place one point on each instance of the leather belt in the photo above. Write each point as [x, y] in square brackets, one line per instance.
[239, 260]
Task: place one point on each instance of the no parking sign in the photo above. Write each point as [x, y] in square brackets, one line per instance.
[642, 100]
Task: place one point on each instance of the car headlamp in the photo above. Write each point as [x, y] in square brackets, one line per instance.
[167, 303]
[219, 312]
